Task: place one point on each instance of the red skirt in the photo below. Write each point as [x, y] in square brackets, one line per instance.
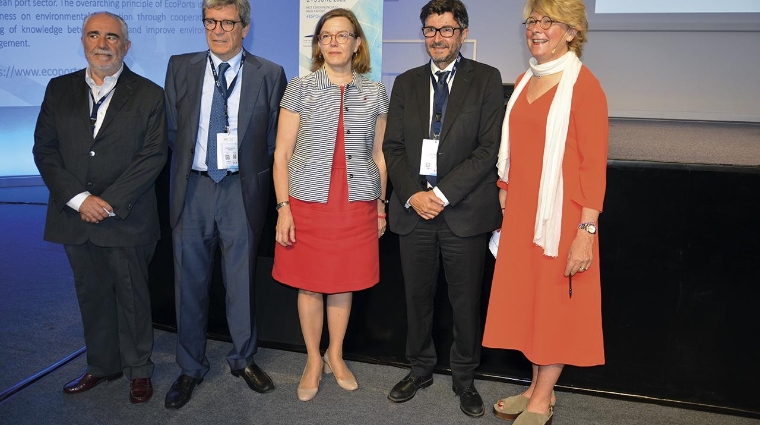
[336, 248]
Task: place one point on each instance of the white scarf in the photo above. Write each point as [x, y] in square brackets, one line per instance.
[550, 193]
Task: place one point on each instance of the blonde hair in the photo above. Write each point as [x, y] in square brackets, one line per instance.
[569, 12]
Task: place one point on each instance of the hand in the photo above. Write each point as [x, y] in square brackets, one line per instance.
[286, 230]
[382, 224]
[502, 199]
[426, 204]
[580, 255]
[94, 209]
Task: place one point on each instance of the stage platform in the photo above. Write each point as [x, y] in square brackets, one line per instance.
[685, 142]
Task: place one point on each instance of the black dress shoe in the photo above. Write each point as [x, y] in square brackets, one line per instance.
[181, 391]
[407, 387]
[87, 382]
[256, 378]
[470, 401]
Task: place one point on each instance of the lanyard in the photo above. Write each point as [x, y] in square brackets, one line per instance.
[96, 106]
[440, 98]
[225, 91]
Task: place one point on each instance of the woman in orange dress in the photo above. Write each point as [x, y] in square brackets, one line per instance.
[329, 177]
[546, 296]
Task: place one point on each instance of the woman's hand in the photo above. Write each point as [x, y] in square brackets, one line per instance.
[502, 199]
[382, 225]
[581, 253]
[286, 229]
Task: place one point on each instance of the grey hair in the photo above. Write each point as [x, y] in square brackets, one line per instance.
[122, 22]
[243, 7]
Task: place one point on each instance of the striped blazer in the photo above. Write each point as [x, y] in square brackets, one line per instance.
[317, 101]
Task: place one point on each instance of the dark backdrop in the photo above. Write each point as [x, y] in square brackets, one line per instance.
[679, 249]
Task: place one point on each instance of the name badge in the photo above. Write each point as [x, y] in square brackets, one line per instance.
[429, 157]
[226, 151]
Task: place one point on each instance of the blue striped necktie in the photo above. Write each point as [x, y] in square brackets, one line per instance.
[217, 124]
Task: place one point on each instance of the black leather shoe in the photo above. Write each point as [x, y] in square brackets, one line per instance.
[181, 391]
[470, 401]
[256, 378]
[407, 387]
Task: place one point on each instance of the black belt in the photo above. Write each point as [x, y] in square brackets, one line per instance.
[205, 173]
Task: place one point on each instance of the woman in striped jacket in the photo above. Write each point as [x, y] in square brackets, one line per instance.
[330, 176]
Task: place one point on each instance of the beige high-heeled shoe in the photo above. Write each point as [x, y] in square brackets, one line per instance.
[306, 394]
[348, 384]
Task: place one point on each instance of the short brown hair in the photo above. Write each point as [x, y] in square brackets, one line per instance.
[570, 12]
[360, 62]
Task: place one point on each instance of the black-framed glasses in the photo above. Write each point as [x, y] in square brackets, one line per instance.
[545, 22]
[226, 24]
[326, 39]
[446, 32]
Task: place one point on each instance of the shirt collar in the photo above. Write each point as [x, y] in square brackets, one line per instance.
[450, 67]
[234, 61]
[108, 82]
[324, 82]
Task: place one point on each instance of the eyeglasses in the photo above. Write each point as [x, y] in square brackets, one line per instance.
[326, 39]
[545, 22]
[446, 32]
[227, 25]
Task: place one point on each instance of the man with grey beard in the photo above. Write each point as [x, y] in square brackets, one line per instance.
[99, 144]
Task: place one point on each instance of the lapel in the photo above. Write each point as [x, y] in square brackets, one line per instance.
[121, 95]
[423, 99]
[462, 81]
[80, 98]
[249, 93]
[196, 70]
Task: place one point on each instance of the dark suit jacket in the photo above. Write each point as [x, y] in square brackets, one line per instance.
[263, 84]
[469, 144]
[120, 165]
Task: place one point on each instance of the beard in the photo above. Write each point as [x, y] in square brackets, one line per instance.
[445, 56]
[107, 68]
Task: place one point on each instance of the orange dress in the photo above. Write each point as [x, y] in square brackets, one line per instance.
[336, 248]
[530, 309]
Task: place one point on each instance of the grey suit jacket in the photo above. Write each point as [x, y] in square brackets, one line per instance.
[263, 84]
[469, 144]
[120, 165]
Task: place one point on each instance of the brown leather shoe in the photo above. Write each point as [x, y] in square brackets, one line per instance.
[140, 390]
[87, 382]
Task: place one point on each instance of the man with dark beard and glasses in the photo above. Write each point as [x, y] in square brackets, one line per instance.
[440, 147]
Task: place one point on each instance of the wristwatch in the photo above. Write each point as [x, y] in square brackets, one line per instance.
[588, 226]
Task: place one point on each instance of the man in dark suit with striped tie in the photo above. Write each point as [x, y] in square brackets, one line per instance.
[222, 107]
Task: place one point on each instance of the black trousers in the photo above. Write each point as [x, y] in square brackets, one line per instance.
[421, 252]
[112, 289]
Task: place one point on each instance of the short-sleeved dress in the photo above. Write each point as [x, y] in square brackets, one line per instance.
[530, 308]
[336, 248]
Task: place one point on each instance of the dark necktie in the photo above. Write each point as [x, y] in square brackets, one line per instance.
[440, 96]
[217, 124]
